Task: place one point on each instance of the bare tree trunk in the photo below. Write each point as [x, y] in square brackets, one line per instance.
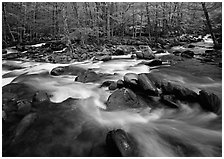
[133, 16]
[6, 21]
[148, 19]
[209, 23]
[156, 25]
[108, 20]
[97, 22]
[66, 29]
[141, 25]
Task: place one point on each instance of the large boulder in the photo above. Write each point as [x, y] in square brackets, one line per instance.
[210, 102]
[154, 79]
[145, 55]
[179, 91]
[131, 79]
[123, 98]
[147, 85]
[188, 54]
[120, 144]
[120, 51]
[67, 70]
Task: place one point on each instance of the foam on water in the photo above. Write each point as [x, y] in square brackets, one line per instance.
[188, 131]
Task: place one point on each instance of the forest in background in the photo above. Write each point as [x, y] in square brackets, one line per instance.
[100, 22]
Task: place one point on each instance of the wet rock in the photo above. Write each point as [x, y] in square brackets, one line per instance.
[139, 54]
[24, 124]
[88, 76]
[24, 107]
[131, 79]
[57, 71]
[147, 85]
[120, 144]
[12, 56]
[119, 51]
[103, 58]
[67, 70]
[210, 102]
[55, 45]
[187, 54]
[209, 51]
[106, 83]
[21, 48]
[113, 86]
[40, 97]
[11, 66]
[177, 53]
[169, 101]
[179, 91]
[160, 51]
[191, 46]
[154, 79]
[120, 84]
[122, 99]
[155, 62]
[145, 53]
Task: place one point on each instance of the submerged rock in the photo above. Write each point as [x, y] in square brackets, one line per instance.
[24, 107]
[120, 144]
[122, 99]
[24, 125]
[40, 97]
[210, 102]
[88, 76]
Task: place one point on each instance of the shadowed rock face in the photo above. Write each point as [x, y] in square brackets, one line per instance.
[121, 144]
[210, 102]
[122, 99]
[147, 85]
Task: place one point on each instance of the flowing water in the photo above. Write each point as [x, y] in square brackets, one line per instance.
[188, 131]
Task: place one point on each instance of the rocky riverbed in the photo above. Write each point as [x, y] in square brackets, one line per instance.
[137, 102]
